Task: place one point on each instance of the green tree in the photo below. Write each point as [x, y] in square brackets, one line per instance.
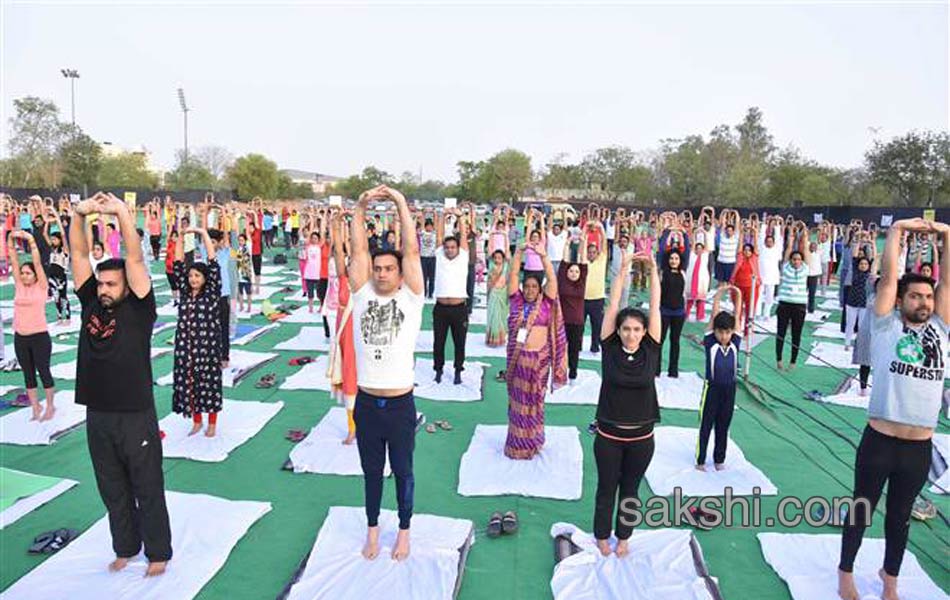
[510, 170]
[126, 170]
[476, 181]
[560, 175]
[190, 174]
[719, 155]
[35, 134]
[915, 166]
[81, 158]
[755, 141]
[681, 172]
[747, 183]
[254, 175]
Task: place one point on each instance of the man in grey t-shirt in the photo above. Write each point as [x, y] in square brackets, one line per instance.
[909, 353]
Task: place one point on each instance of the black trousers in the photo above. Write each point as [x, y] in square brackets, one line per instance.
[715, 412]
[903, 465]
[812, 283]
[470, 288]
[675, 326]
[33, 353]
[156, 243]
[386, 424]
[428, 275]
[126, 453]
[445, 318]
[620, 467]
[794, 313]
[322, 285]
[594, 310]
[575, 339]
[224, 306]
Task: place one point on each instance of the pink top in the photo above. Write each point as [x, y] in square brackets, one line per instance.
[29, 307]
[154, 225]
[532, 260]
[113, 243]
[644, 244]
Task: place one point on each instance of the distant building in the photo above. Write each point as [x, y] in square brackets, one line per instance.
[317, 181]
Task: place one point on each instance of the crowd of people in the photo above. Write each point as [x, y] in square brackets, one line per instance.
[545, 276]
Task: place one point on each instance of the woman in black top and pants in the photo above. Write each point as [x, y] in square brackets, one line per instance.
[672, 310]
[627, 407]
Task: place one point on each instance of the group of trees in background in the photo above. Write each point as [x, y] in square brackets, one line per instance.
[46, 152]
[732, 166]
[736, 165]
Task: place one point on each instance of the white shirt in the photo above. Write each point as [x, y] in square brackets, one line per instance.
[814, 264]
[609, 230]
[451, 275]
[769, 259]
[556, 246]
[384, 335]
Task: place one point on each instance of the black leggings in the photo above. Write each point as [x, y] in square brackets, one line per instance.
[33, 352]
[796, 314]
[57, 286]
[620, 466]
[575, 339]
[428, 275]
[904, 465]
[156, 242]
[812, 283]
[381, 424]
[594, 310]
[864, 372]
[675, 327]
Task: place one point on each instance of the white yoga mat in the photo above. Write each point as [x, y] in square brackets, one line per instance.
[242, 362]
[17, 428]
[659, 565]
[253, 335]
[169, 309]
[941, 446]
[160, 327]
[469, 390]
[850, 396]
[683, 392]
[674, 465]
[238, 422]
[586, 390]
[67, 370]
[255, 311]
[285, 270]
[556, 472]
[830, 355]
[5, 389]
[309, 339]
[830, 305]
[72, 327]
[280, 278]
[336, 570]
[204, 531]
[807, 563]
[303, 315]
[479, 316]
[24, 506]
[323, 451]
[312, 376]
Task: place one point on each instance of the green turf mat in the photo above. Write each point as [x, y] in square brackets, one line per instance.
[16, 485]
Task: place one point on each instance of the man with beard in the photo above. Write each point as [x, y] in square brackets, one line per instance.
[114, 382]
[908, 357]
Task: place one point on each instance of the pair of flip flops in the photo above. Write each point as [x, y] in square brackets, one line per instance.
[443, 425]
[499, 524]
[52, 541]
[702, 519]
[501, 376]
[923, 509]
[296, 435]
[266, 381]
[300, 361]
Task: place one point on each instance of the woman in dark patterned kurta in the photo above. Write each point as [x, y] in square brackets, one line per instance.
[197, 369]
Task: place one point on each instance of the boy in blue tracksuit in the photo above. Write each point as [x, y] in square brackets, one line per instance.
[719, 391]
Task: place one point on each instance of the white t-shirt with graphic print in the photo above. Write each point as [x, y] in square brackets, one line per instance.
[385, 329]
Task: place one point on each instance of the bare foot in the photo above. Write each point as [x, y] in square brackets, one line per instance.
[701, 468]
[195, 428]
[371, 549]
[623, 549]
[604, 547]
[49, 413]
[779, 366]
[210, 431]
[846, 589]
[401, 550]
[37, 412]
[720, 466]
[890, 586]
[118, 564]
[350, 438]
[791, 366]
[224, 364]
[155, 568]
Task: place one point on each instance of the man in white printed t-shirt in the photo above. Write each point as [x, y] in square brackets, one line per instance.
[556, 238]
[450, 312]
[387, 297]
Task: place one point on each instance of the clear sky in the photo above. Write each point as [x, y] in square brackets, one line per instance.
[335, 88]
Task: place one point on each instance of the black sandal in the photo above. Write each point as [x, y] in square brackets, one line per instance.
[495, 526]
[509, 523]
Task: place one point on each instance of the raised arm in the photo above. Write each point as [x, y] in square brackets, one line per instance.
[360, 261]
[616, 291]
[654, 327]
[942, 303]
[411, 263]
[79, 239]
[890, 267]
[514, 271]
